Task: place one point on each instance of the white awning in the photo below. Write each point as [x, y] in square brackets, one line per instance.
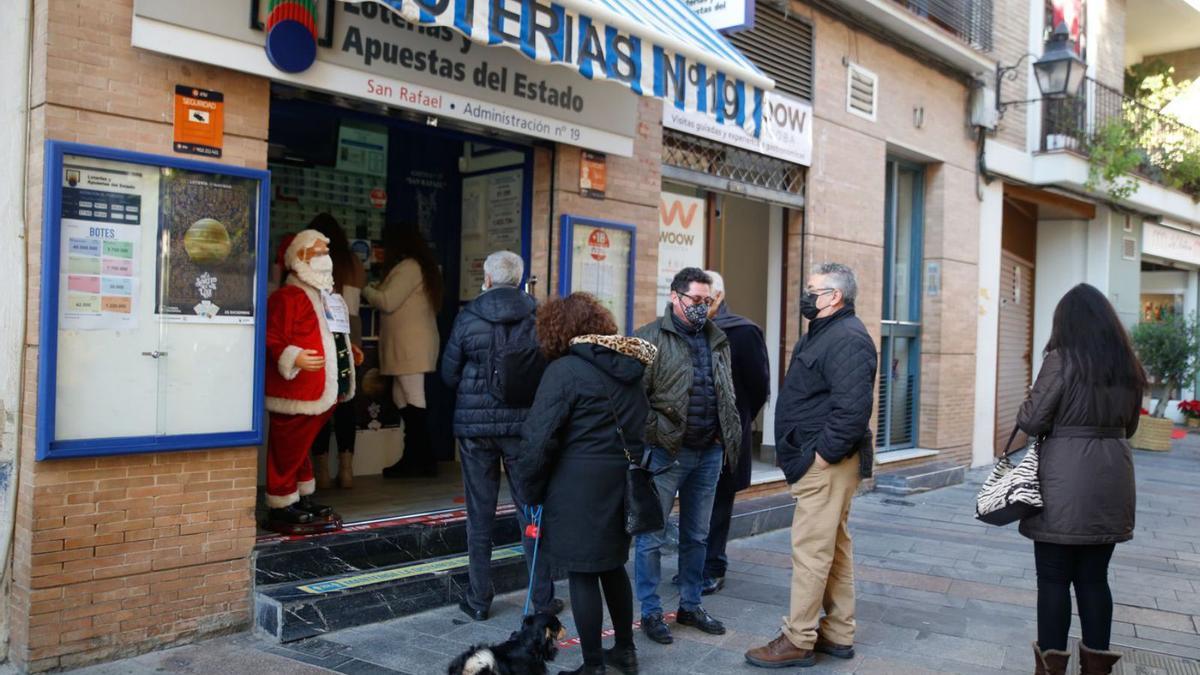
[656, 48]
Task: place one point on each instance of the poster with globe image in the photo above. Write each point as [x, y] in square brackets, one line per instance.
[206, 248]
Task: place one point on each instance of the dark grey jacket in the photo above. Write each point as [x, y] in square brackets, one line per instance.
[669, 383]
[1086, 465]
[827, 398]
[465, 363]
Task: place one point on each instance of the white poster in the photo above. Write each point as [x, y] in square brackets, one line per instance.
[724, 14]
[102, 221]
[681, 232]
[786, 129]
[600, 266]
[491, 221]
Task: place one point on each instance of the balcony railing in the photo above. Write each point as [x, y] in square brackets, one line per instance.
[1101, 119]
[969, 20]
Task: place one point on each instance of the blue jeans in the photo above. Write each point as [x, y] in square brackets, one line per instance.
[695, 479]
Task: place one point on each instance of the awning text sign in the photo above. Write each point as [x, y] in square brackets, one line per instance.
[1170, 243]
[786, 131]
[724, 14]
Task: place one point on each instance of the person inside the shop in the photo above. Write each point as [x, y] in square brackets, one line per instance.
[488, 427]
[408, 300]
[348, 279]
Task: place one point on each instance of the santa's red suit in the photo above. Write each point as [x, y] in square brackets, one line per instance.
[299, 402]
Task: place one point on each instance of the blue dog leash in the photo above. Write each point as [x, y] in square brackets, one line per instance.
[533, 515]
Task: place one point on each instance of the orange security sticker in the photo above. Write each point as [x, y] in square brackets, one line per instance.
[199, 121]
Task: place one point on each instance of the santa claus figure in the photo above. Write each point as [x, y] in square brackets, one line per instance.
[310, 369]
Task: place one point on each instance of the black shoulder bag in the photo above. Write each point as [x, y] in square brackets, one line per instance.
[643, 510]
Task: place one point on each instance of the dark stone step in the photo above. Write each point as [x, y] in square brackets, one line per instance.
[368, 546]
[924, 478]
[297, 610]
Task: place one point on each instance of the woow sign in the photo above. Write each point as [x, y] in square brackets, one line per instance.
[786, 129]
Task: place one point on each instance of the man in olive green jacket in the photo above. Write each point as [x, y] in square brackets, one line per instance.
[694, 428]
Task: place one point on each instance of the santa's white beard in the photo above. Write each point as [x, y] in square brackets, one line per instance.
[322, 281]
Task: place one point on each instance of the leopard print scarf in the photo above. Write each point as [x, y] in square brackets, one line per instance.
[629, 346]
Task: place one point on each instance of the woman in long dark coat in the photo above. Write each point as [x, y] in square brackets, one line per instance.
[1085, 404]
[573, 463]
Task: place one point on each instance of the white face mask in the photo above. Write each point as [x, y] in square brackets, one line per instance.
[321, 263]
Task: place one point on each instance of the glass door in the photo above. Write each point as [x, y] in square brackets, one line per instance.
[900, 366]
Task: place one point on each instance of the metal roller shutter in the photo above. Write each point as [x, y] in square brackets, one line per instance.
[781, 47]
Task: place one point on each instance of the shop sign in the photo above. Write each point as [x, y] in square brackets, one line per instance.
[1171, 243]
[681, 232]
[727, 15]
[370, 53]
[199, 121]
[786, 128]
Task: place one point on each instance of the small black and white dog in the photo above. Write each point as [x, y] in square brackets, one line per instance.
[525, 653]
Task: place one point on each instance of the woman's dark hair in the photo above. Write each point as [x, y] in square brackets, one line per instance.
[560, 320]
[1093, 342]
[339, 248]
[404, 242]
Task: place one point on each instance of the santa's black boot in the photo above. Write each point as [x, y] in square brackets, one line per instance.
[291, 514]
[307, 505]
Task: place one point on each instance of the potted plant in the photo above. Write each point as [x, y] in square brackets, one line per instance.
[1191, 412]
[1168, 350]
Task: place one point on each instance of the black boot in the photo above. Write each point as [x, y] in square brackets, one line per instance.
[417, 460]
[307, 505]
[291, 514]
[623, 658]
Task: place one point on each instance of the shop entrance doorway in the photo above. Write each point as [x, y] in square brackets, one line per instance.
[468, 195]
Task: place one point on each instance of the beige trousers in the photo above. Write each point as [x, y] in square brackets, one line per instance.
[408, 390]
[822, 556]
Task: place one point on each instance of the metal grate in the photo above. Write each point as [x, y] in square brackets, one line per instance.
[723, 161]
[862, 91]
[969, 20]
[781, 47]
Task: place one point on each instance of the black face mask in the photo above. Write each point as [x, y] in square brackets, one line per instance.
[808, 306]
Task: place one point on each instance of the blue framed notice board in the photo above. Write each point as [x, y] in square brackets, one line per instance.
[598, 257]
[154, 276]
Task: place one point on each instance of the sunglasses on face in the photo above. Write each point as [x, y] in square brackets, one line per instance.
[706, 301]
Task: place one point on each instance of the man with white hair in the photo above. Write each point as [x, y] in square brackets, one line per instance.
[823, 445]
[487, 422]
[310, 371]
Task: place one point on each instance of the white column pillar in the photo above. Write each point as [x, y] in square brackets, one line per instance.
[987, 335]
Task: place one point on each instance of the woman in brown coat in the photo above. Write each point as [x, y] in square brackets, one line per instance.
[408, 301]
[1084, 405]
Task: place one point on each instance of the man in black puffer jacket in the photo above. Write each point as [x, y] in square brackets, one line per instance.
[823, 445]
[488, 430]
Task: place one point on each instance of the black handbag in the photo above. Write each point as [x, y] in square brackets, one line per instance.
[643, 508]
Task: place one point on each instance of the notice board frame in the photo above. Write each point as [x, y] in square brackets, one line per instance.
[46, 446]
[566, 257]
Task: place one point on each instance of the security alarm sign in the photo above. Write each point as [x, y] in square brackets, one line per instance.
[199, 121]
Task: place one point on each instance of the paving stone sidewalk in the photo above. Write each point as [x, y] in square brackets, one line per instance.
[937, 592]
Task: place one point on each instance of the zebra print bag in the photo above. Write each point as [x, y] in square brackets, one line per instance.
[1011, 492]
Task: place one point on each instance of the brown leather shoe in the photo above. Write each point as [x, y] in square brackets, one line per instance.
[780, 653]
[1096, 662]
[833, 649]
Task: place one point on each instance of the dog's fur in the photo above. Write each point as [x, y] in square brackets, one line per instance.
[525, 653]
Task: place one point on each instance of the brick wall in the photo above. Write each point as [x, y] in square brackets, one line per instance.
[846, 200]
[1106, 41]
[632, 197]
[1010, 35]
[120, 555]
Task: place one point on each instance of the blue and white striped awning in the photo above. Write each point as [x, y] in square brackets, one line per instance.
[655, 47]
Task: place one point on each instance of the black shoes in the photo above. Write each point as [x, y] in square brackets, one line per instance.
[307, 505]
[656, 629]
[475, 614]
[291, 514]
[622, 658]
[554, 608]
[699, 618]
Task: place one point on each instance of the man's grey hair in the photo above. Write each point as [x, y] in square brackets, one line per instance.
[718, 281]
[505, 268]
[840, 277]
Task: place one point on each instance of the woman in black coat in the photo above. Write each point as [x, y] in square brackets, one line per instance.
[573, 463]
[1085, 404]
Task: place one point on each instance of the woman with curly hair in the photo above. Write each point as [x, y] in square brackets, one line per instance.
[589, 409]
